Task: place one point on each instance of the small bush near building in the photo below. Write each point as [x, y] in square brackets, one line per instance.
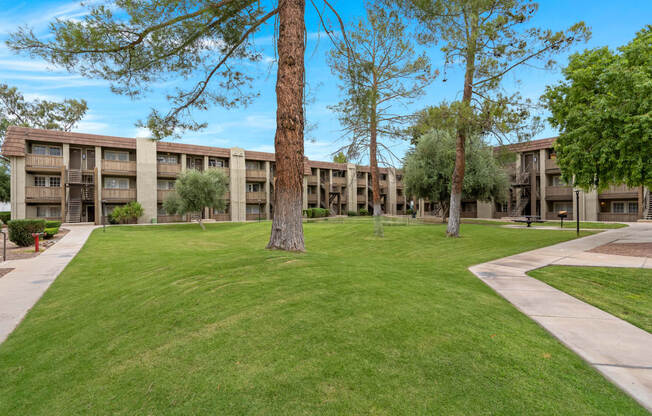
[5, 216]
[127, 213]
[352, 213]
[52, 224]
[363, 211]
[316, 213]
[20, 231]
[51, 232]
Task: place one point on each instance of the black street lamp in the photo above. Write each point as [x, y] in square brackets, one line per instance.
[577, 209]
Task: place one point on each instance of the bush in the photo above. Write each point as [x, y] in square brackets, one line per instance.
[409, 211]
[363, 211]
[20, 231]
[5, 216]
[52, 224]
[316, 212]
[352, 213]
[51, 232]
[129, 212]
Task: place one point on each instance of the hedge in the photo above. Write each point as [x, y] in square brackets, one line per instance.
[352, 213]
[52, 224]
[316, 212]
[5, 216]
[20, 231]
[363, 211]
[51, 232]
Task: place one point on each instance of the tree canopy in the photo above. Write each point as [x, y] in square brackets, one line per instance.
[340, 157]
[603, 109]
[195, 190]
[428, 170]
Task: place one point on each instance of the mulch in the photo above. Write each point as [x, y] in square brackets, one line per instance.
[15, 252]
[625, 249]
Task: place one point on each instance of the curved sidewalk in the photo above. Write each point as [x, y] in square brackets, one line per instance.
[21, 288]
[621, 351]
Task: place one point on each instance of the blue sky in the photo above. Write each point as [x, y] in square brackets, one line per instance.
[612, 24]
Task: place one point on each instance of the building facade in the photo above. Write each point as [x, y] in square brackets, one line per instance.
[76, 177]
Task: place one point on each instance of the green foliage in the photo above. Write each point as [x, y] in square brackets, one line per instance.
[5, 177]
[429, 168]
[20, 231]
[52, 224]
[352, 213]
[603, 109]
[340, 158]
[195, 191]
[127, 213]
[5, 216]
[51, 231]
[316, 212]
[409, 211]
[363, 211]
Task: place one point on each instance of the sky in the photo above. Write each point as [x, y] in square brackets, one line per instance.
[612, 23]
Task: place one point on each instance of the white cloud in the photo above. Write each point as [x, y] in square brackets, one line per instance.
[26, 65]
[142, 133]
[269, 148]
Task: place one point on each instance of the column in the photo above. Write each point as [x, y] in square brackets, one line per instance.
[237, 185]
[366, 190]
[146, 178]
[518, 168]
[533, 188]
[422, 210]
[319, 187]
[351, 188]
[391, 191]
[543, 182]
[591, 205]
[183, 162]
[17, 192]
[305, 192]
[268, 177]
[207, 210]
[98, 185]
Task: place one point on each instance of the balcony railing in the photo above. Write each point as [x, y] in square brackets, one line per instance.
[162, 194]
[43, 193]
[221, 217]
[559, 192]
[119, 194]
[256, 174]
[362, 182]
[361, 199]
[312, 179]
[43, 161]
[168, 169]
[338, 180]
[312, 198]
[117, 166]
[619, 191]
[255, 196]
[610, 216]
[225, 171]
[256, 217]
[170, 218]
[551, 164]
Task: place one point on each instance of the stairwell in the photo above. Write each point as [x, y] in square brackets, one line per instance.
[74, 210]
[648, 215]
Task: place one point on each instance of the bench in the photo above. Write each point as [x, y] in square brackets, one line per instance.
[529, 219]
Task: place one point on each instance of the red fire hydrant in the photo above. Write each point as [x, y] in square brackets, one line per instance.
[36, 236]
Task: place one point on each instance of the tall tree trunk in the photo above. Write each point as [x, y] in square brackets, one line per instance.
[287, 227]
[375, 177]
[457, 181]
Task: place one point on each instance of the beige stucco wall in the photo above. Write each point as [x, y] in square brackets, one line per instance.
[237, 185]
[98, 185]
[391, 191]
[485, 209]
[146, 178]
[268, 201]
[543, 182]
[17, 193]
[351, 188]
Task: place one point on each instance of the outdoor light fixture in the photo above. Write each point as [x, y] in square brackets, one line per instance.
[577, 210]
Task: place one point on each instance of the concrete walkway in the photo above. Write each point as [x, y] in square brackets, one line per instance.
[619, 350]
[21, 288]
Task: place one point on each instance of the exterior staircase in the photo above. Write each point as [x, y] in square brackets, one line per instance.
[74, 210]
[648, 214]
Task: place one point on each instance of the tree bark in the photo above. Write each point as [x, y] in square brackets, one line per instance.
[375, 177]
[287, 227]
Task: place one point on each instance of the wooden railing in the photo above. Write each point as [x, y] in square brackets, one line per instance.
[559, 191]
[43, 161]
[312, 198]
[119, 166]
[170, 218]
[362, 182]
[256, 217]
[619, 189]
[312, 179]
[256, 174]
[43, 192]
[221, 217]
[225, 171]
[255, 196]
[551, 164]
[162, 194]
[610, 216]
[361, 198]
[119, 194]
[168, 169]
[337, 180]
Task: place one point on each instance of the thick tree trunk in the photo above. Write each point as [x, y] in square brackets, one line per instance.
[375, 177]
[287, 227]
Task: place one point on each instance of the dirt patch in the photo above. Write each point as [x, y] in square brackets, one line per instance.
[15, 252]
[625, 249]
[4, 271]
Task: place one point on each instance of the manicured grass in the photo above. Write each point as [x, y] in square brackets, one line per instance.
[173, 320]
[587, 225]
[625, 293]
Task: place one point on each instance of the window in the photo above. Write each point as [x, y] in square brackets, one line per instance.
[216, 163]
[160, 210]
[55, 181]
[253, 209]
[632, 207]
[624, 207]
[41, 149]
[252, 165]
[45, 211]
[54, 151]
[165, 184]
[221, 211]
[563, 206]
[557, 181]
[115, 155]
[39, 180]
[618, 207]
[253, 187]
[116, 183]
[167, 159]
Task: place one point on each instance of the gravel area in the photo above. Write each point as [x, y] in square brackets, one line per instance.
[625, 249]
[15, 252]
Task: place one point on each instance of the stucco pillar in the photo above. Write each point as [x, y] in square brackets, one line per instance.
[17, 192]
[98, 185]
[366, 190]
[305, 192]
[533, 189]
[207, 211]
[318, 187]
[351, 188]
[237, 185]
[268, 176]
[146, 178]
[485, 209]
[518, 174]
[422, 208]
[543, 183]
[391, 191]
[591, 205]
[183, 162]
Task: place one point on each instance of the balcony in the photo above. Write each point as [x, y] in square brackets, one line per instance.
[162, 194]
[255, 196]
[258, 174]
[43, 193]
[340, 181]
[221, 217]
[559, 193]
[312, 179]
[362, 182]
[162, 219]
[361, 199]
[43, 163]
[225, 171]
[118, 167]
[256, 217]
[619, 192]
[168, 169]
[551, 166]
[118, 195]
[312, 198]
[609, 216]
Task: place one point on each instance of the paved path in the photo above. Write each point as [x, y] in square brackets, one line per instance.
[621, 351]
[22, 287]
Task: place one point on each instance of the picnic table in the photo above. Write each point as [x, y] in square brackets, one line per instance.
[529, 219]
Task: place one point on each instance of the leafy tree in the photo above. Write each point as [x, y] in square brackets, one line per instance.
[429, 168]
[340, 158]
[488, 39]
[138, 43]
[43, 114]
[379, 71]
[194, 191]
[603, 109]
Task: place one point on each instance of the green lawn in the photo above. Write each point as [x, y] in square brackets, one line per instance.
[173, 320]
[625, 293]
[556, 223]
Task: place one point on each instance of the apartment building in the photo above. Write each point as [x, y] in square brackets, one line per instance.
[538, 189]
[76, 177]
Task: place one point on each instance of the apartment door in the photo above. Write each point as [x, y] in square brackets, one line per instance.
[75, 159]
[90, 159]
[90, 213]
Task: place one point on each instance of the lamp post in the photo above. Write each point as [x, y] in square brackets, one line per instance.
[577, 209]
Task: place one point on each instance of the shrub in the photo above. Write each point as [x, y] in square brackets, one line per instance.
[363, 211]
[409, 211]
[52, 224]
[20, 231]
[352, 213]
[131, 211]
[51, 232]
[5, 216]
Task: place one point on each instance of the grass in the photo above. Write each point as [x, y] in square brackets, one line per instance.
[587, 225]
[173, 320]
[625, 293]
